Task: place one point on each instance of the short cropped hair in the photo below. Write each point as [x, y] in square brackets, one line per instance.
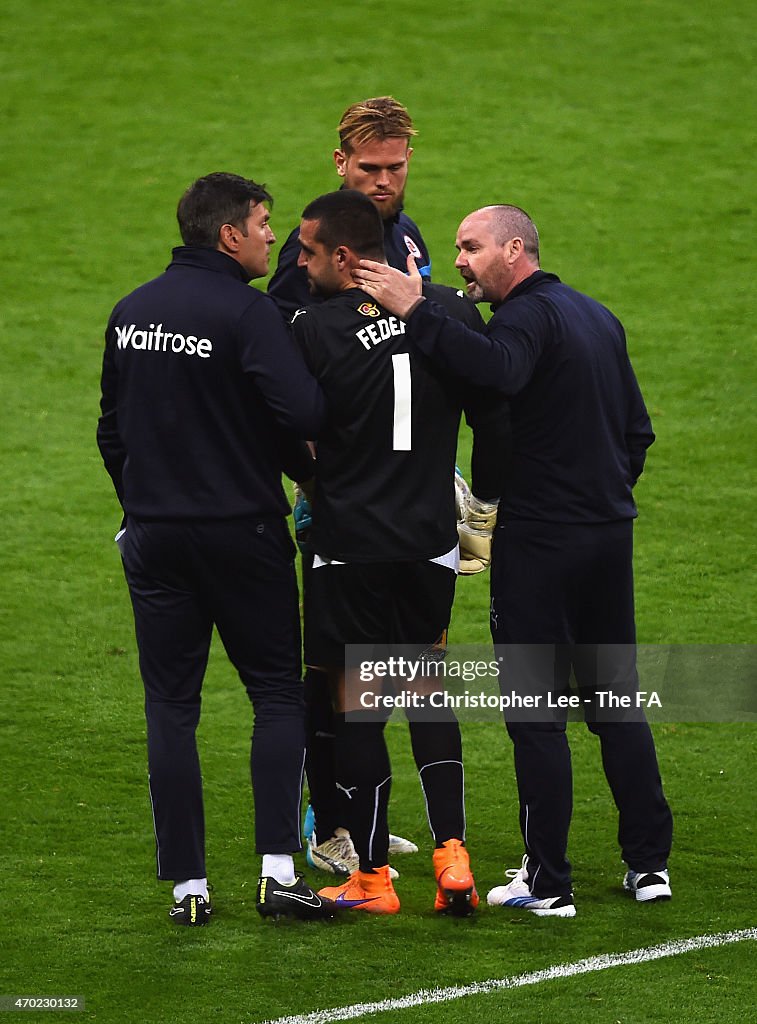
[510, 221]
[348, 217]
[379, 118]
[213, 201]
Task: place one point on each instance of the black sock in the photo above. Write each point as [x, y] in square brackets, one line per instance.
[320, 758]
[364, 774]
[438, 753]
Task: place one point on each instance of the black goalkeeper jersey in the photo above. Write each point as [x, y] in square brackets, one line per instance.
[386, 456]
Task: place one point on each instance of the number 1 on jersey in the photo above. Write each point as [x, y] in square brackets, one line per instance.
[402, 402]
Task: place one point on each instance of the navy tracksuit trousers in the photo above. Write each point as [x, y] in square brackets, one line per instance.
[185, 577]
[562, 600]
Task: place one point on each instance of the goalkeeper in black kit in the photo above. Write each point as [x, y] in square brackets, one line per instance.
[373, 156]
[384, 537]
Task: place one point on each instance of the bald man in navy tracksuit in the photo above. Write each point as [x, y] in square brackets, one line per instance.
[562, 580]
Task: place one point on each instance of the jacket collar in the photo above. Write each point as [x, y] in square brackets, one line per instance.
[208, 259]
[532, 281]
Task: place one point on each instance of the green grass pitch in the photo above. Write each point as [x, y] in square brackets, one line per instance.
[624, 130]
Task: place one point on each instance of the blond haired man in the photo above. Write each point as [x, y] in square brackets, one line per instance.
[373, 157]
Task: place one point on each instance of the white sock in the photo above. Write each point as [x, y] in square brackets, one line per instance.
[279, 866]
[190, 887]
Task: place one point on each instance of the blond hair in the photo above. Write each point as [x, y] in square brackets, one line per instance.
[379, 118]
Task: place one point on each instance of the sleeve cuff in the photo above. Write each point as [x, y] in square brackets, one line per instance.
[418, 302]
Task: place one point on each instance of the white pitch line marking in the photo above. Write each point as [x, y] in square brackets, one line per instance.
[426, 996]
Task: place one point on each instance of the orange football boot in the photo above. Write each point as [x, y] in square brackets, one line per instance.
[456, 891]
[365, 890]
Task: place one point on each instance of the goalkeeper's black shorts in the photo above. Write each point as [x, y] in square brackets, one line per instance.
[382, 604]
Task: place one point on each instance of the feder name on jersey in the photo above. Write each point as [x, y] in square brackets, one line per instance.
[380, 330]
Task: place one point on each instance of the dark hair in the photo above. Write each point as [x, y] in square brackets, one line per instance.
[213, 201]
[348, 217]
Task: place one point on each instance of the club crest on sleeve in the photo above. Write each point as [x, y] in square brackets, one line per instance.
[368, 309]
[412, 247]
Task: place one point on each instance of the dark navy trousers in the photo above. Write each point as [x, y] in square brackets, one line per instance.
[562, 601]
[185, 577]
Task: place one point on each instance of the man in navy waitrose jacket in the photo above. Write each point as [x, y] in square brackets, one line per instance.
[204, 396]
[562, 581]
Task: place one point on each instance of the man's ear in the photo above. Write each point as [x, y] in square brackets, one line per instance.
[228, 238]
[516, 249]
[342, 255]
[340, 159]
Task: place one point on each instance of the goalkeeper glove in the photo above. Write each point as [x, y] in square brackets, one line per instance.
[303, 519]
[462, 495]
[475, 535]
